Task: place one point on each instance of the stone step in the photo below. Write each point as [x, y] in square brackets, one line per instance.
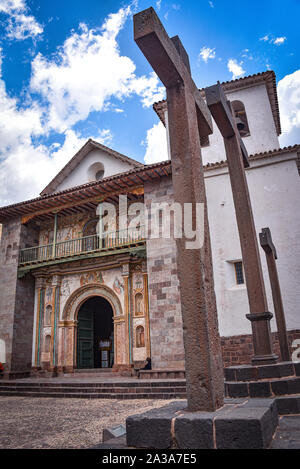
[100, 395]
[162, 374]
[267, 388]
[93, 370]
[91, 390]
[261, 372]
[82, 384]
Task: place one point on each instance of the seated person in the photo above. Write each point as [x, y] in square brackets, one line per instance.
[147, 365]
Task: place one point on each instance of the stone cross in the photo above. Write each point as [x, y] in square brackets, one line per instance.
[236, 158]
[266, 243]
[188, 118]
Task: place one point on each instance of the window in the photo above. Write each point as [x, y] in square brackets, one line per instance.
[99, 175]
[204, 141]
[241, 118]
[239, 273]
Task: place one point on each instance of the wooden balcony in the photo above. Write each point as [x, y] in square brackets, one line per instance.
[86, 246]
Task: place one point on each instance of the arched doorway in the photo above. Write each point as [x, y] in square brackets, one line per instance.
[95, 333]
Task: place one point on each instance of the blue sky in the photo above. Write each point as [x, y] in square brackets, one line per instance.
[70, 70]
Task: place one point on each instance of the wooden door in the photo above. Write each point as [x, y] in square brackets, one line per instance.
[85, 340]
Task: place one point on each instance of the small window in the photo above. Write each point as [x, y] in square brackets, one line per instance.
[239, 273]
[99, 175]
[204, 141]
[241, 118]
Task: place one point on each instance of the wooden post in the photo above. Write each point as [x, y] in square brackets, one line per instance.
[189, 118]
[54, 235]
[271, 256]
[237, 158]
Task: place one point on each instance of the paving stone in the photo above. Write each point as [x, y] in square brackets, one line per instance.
[288, 405]
[152, 429]
[194, 430]
[245, 428]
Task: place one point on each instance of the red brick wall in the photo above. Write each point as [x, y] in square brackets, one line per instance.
[238, 350]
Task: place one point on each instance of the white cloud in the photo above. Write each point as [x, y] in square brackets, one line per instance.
[20, 25]
[207, 53]
[279, 40]
[158, 4]
[211, 4]
[156, 142]
[87, 72]
[176, 6]
[235, 68]
[289, 104]
[264, 38]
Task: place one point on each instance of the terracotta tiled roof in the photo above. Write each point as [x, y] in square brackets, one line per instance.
[256, 156]
[267, 77]
[136, 176]
[125, 180]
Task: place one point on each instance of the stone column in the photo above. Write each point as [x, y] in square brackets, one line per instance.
[56, 282]
[146, 305]
[125, 275]
[40, 288]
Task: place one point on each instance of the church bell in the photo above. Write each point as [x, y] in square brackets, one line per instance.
[240, 124]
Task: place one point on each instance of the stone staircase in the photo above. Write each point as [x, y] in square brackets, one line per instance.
[280, 379]
[95, 390]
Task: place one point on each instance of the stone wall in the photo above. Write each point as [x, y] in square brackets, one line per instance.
[167, 350]
[238, 349]
[16, 296]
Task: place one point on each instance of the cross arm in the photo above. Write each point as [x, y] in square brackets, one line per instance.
[266, 242]
[221, 112]
[168, 59]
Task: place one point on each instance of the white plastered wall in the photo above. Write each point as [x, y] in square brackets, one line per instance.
[82, 173]
[274, 187]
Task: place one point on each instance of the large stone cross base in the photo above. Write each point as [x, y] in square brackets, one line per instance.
[239, 424]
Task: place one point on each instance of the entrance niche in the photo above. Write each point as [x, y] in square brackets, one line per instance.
[95, 334]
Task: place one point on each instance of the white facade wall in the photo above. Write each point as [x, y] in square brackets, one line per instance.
[263, 136]
[274, 187]
[82, 173]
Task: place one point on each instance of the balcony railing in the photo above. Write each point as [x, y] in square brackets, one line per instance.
[110, 241]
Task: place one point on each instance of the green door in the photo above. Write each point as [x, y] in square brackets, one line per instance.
[85, 340]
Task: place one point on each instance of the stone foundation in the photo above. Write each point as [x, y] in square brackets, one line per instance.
[238, 350]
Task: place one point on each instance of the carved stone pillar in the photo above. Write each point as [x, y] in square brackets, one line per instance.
[125, 275]
[56, 282]
[146, 304]
[40, 297]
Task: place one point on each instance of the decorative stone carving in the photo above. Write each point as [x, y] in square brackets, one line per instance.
[83, 293]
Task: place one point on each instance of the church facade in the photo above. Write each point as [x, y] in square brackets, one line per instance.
[71, 299]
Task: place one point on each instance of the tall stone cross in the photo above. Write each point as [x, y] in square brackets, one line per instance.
[237, 158]
[266, 243]
[189, 118]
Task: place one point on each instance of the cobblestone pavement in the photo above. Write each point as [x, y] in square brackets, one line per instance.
[63, 423]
